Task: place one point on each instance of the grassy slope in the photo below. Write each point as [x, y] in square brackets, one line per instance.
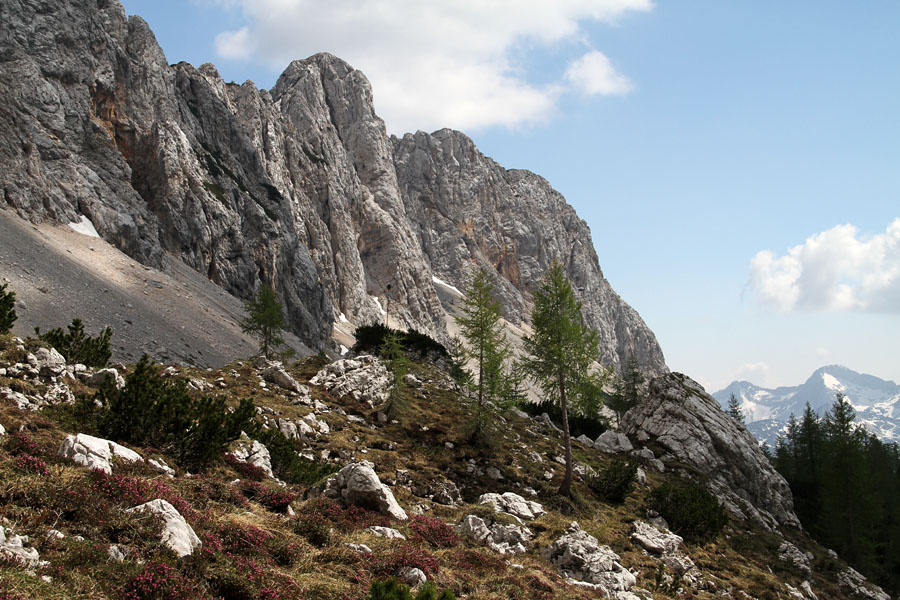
[251, 552]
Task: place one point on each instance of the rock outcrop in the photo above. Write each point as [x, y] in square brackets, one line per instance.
[176, 534]
[358, 484]
[580, 557]
[96, 453]
[689, 424]
[299, 186]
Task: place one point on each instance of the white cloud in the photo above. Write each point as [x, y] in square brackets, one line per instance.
[837, 269]
[440, 63]
[593, 74]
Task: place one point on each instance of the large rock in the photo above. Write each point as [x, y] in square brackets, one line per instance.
[299, 186]
[357, 484]
[653, 540]
[579, 556]
[504, 539]
[513, 504]
[857, 586]
[177, 533]
[613, 442]
[363, 378]
[95, 453]
[253, 452]
[48, 361]
[688, 423]
[276, 374]
[14, 546]
[792, 555]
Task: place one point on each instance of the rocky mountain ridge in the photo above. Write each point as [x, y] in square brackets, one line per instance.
[767, 411]
[299, 186]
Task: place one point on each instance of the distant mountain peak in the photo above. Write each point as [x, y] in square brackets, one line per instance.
[767, 410]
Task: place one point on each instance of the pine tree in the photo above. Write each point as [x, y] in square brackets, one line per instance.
[845, 503]
[560, 354]
[7, 309]
[265, 320]
[486, 345]
[629, 389]
[734, 409]
[398, 364]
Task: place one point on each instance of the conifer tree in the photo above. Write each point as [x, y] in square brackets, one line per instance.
[398, 364]
[7, 309]
[629, 389]
[486, 345]
[560, 353]
[265, 320]
[734, 409]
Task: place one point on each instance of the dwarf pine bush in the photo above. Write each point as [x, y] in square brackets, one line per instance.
[615, 481]
[7, 309]
[690, 510]
[78, 347]
[153, 411]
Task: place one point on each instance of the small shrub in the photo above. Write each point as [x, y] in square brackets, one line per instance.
[20, 443]
[615, 481]
[371, 339]
[284, 551]
[158, 581]
[32, 464]
[287, 464]
[391, 589]
[7, 309]
[276, 500]
[315, 528]
[406, 555]
[691, 511]
[433, 531]
[78, 347]
[245, 469]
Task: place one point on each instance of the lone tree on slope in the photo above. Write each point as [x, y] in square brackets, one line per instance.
[265, 320]
[734, 409]
[485, 344]
[7, 309]
[560, 354]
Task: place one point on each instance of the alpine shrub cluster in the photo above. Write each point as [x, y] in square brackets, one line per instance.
[390, 589]
[287, 464]
[371, 338]
[158, 412]
[77, 347]
[615, 481]
[691, 511]
[7, 309]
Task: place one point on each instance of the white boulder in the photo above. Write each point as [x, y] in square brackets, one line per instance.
[95, 453]
[580, 557]
[358, 484]
[513, 504]
[14, 546]
[177, 534]
[253, 452]
[653, 540]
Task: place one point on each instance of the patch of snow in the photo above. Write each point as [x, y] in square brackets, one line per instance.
[84, 227]
[832, 383]
[343, 318]
[378, 304]
[344, 350]
[440, 281]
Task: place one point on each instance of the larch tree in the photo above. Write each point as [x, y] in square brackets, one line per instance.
[560, 354]
[486, 345]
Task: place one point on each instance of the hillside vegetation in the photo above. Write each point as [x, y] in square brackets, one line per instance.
[281, 537]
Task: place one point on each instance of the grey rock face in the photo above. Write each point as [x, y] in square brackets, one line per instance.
[689, 424]
[791, 554]
[299, 187]
[469, 212]
[613, 442]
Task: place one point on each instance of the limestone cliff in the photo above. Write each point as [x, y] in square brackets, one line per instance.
[299, 186]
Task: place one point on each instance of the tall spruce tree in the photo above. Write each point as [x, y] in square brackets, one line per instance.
[486, 345]
[560, 354]
[734, 409]
[265, 320]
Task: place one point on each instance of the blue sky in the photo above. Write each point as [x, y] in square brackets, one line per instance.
[738, 162]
